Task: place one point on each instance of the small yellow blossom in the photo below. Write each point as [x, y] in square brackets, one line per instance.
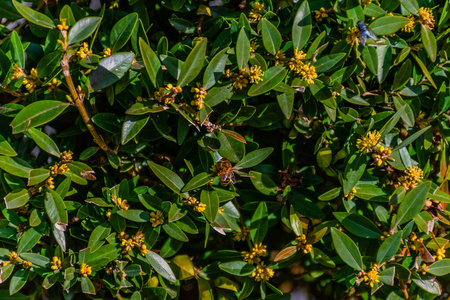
[139, 99]
[62, 25]
[66, 156]
[321, 14]
[371, 277]
[243, 234]
[426, 17]
[308, 73]
[199, 95]
[410, 26]
[262, 273]
[109, 269]
[123, 235]
[369, 141]
[16, 72]
[55, 263]
[365, 2]
[381, 155]
[352, 36]
[200, 207]
[411, 177]
[385, 236]
[31, 81]
[424, 269]
[49, 183]
[127, 244]
[302, 244]
[296, 62]
[240, 81]
[139, 237]
[351, 194]
[21, 228]
[53, 85]
[156, 218]
[254, 255]
[167, 95]
[26, 264]
[83, 51]
[229, 73]
[255, 74]
[279, 57]
[108, 214]
[13, 257]
[85, 270]
[143, 249]
[253, 46]
[121, 203]
[255, 13]
[440, 253]
[107, 52]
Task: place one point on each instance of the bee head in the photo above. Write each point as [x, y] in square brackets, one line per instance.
[361, 25]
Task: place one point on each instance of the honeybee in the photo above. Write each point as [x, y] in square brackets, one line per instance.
[224, 170]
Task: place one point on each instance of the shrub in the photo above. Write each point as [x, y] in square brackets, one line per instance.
[225, 149]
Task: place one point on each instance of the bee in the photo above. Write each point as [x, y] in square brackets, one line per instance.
[365, 32]
[224, 170]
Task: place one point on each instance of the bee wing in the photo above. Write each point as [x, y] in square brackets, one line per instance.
[362, 38]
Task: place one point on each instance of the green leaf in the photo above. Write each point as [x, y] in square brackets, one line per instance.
[358, 225]
[199, 180]
[44, 141]
[254, 158]
[83, 29]
[36, 259]
[302, 27]
[15, 166]
[211, 200]
[175, 232]
[286, 103]
[5, 148]
[110, 70]
[391, 123]
[193, 64]
[36, 114]
[218, 94]
[439, 268]
[160, 265]
[97, 236]
[306, 207]
[122, 31]
[271, 36]
[412, 204]
[237, 268]
[33, 16]
[403, 75]
[429, 42]
[17, 51]
[355, 11]
[259, 223]
[354, 169]
[215, 68]
[48, 64]
[5, 63]
[324, 157]
[411, 139]
[272, 77]
[327, 62]
[408, 115]
[242, 49]
[230, 148]
[424, 70]
[151, 62]
[182, 25]
[346, 249]
[28, 240]
[7, 11]
[18, 280]
[389, 247]
[331, 194]
[263, 183]
[168, 177]
[17, 198]
[388, 25]
[135, 215]
[411, 5]
[132, 125]
[87, 286]
[66, 13]
[55, 208]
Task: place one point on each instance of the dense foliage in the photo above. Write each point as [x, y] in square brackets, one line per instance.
[224, 149]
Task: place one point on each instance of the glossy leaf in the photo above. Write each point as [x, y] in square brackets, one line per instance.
[346, 249]
[83, 29]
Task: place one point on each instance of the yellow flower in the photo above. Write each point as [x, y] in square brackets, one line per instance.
[16, 72]
[321, 14]
[385, 236]
[228, 73]
[53, 85]
[413, 173]
[121, 203]
[262, 273]
[440, 253]
[424, 269]
[128, 244]
[107, 52]
[301, 244]
[167, 95]
[365, 2]
[31, 81]
[243, 234]
[369, 141]
[296, 62]
[240, 82]
[255, 13]
[352, 36]
[156, 218]
[259, 249]
[371, 277]
[426, 17]
[143, 249]
[308, 73]
[122, 235]
[13, 257]
[21, 228]
[108, 214]
[85, 270]
[410, 26]
[253, 46]
[199, 95]
[83, 51]
[138, 237]
[200, 207]
[49, 183]
[62, 25]
[351, 194]
[255, 74]
[279, 57]
[254, 255]
[381, 155]
[66, 156]
[56, 263]
[26, 264]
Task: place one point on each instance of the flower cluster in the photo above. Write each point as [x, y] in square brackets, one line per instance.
[58, 169]
[242, 79]
[121, 203]
[385, 235]
[371, 277]
[255, 13]
[381, 155]
[13, 257]
[262, 273]
[352, 36]
[83, 51]
[199, 95]
[107, 52]
[26, 264]
[410, 178]
[85, 270]
[53, 85]
[136, 241]
[305, 70]
[197, 205]
[322, 13]
[368, 141]
[16, 72]
[440, 253]
[49, 183]
[167, 95]
[279, 57]
[426, 17]
[62, 25]
[156, 218]
[66, 156]
[410, 26]
[243, 234]
[351, 194]
[55, 263]
[254, 256]
[365, 2]
[302, 244]
[31, 81]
